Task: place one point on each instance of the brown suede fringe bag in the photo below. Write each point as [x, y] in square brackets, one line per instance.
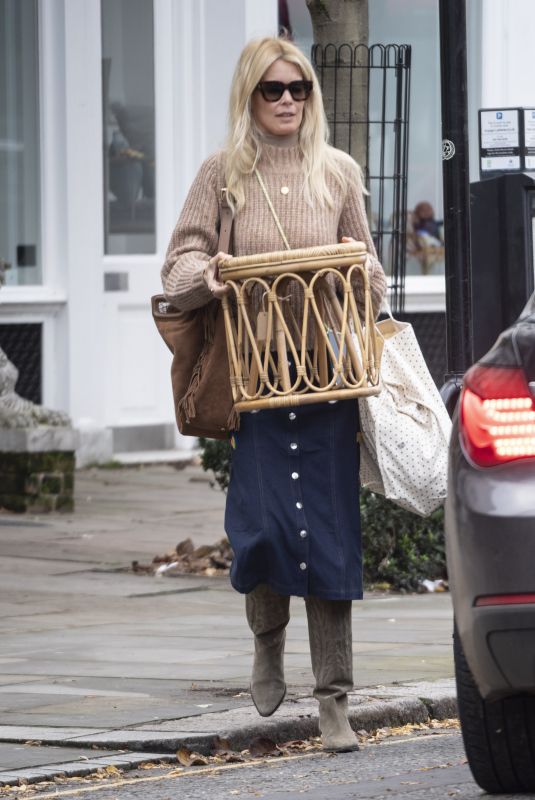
[200, 370]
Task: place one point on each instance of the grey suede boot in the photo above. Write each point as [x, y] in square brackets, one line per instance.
[268, 614]
[329, 630]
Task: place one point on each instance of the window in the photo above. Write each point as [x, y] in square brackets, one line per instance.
[128, 126]
[19, 142]
[413, 22]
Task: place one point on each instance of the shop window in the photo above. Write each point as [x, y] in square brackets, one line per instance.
[20, 246]
[128, 126]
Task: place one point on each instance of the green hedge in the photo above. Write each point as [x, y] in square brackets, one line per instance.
[400, 549]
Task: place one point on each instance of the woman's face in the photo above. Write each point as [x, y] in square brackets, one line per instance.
[284, 116]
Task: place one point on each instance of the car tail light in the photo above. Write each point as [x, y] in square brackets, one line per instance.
[497, 415]
[505, 600]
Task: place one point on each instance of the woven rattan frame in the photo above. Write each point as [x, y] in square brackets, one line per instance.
[333, 344]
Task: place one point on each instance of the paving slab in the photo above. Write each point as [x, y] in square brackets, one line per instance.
[47, 734]
[21, 756]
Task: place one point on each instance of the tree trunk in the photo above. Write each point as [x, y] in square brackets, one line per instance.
[345, 88]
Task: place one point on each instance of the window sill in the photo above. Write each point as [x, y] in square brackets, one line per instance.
[14, 299]
[425, 293]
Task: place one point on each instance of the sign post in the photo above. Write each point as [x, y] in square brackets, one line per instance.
[453, 76]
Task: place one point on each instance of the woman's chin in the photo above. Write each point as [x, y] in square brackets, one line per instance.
[285, 128]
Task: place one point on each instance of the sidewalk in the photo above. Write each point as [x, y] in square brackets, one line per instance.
[100, 666]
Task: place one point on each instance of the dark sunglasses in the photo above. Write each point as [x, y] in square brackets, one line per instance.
[273, 90]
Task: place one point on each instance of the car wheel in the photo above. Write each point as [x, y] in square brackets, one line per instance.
[499, 735]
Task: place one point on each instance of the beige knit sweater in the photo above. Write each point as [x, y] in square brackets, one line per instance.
[195, 237]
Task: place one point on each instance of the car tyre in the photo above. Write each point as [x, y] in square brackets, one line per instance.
[498, 735]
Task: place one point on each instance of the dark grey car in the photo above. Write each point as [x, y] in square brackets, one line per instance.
[490, 541]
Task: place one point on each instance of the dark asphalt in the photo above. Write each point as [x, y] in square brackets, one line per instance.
[430, 766]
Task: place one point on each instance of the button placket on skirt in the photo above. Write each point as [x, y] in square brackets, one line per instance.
[294, 469]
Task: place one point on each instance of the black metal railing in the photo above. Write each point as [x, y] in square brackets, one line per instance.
[367, 95]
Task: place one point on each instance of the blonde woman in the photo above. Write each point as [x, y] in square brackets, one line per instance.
[292, 513]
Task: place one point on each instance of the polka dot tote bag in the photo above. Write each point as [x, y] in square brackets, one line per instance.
[405, 429]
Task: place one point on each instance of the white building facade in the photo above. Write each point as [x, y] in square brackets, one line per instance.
[107, 108]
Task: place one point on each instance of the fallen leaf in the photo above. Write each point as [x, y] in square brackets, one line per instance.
[220, 745]
[198, 761]
[210, 560]
[202, 551]
[189, 758]
[140, 568]
[202, 564]
[232, 757]
[223, 752]
[184, 756]
[262, 746]
[219, 560]
[185, 548]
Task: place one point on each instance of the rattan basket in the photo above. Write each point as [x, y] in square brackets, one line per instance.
[300, 327]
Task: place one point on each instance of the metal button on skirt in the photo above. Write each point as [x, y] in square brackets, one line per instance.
[292, 513]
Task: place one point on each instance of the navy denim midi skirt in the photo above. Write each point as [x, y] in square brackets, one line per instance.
[292, 514]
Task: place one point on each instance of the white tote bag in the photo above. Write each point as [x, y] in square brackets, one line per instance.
[405, 429]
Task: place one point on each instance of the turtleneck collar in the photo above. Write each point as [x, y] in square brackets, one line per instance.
[281, 153]
[289, 140]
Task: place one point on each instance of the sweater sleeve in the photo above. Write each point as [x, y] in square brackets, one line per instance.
[354, 222]
[193, 242]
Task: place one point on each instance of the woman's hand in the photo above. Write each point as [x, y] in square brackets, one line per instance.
[346, 239]
[211, 276]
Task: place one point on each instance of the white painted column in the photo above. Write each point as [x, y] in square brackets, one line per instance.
[165, 48]
[53, 202]
[83, 224]
[187, 97]
[474, 63]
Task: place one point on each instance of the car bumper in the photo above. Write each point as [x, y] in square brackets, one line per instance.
[490, 543]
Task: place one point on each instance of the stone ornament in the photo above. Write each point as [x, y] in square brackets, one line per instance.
[16, 411]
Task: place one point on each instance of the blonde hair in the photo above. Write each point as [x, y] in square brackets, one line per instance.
[244, 142]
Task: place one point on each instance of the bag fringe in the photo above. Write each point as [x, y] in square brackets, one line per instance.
[186, 406]
[233, 420]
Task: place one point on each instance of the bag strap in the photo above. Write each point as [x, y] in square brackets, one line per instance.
[270, 204]
[225, 226]
[385, 306]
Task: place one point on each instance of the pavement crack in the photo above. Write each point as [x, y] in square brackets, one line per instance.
[171, 591]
